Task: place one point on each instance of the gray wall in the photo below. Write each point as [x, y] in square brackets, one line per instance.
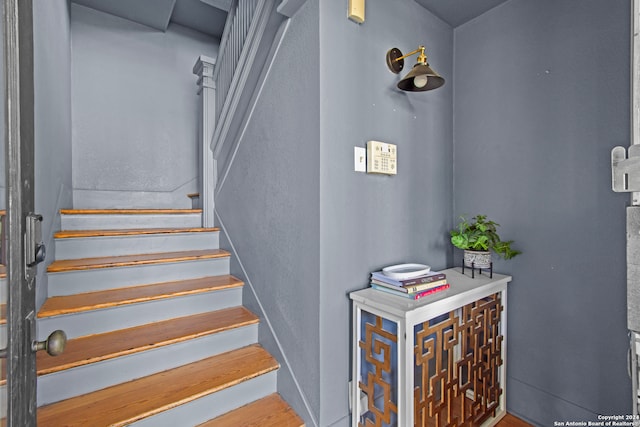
[541, 97]
[3, 196]
[135, 111]
[269, 208]
[306, 229]
[52, 70]
[369, 221]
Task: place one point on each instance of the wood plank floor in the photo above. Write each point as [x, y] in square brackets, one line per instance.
[512, 421]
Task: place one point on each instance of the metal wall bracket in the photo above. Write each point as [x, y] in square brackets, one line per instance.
[35, 251]
[625, 171]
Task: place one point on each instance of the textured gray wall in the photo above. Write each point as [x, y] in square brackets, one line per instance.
[368, 221]
[135, 111]
[269, 206]
[3, 201]
[52, 79]
[541, 97]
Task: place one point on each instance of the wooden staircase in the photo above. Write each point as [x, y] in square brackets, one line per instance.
[157, 332]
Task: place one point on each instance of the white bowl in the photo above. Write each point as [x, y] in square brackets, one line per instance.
[405, 271]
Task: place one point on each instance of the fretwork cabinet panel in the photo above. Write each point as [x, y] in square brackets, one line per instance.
[438, 361]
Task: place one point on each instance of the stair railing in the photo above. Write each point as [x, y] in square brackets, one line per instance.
[220, 82]
[223, 80]
[232, 44]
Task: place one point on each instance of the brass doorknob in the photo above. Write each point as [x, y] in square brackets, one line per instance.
[54, 345]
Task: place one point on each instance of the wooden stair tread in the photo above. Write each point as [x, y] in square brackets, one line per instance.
[71, 234]
[270, 411]
[128, 211]
[3, 314]
[3, 271]
[126, 403]
[96, 348]
[131, 260]
[67, 304]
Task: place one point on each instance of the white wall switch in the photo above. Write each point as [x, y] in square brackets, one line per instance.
[359, 159]
[356, 11]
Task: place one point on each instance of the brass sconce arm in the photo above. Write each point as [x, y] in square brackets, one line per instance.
[422, 58]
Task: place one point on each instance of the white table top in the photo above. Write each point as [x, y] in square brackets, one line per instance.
[463, 290]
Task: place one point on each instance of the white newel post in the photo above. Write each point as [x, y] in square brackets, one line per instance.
[206, 89]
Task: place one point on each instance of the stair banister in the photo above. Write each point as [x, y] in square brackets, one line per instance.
[235, 61]
[288, 8]
[204, 69]
[217, 83]
[222, 82]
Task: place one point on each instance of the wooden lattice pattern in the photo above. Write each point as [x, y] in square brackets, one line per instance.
[458, 361]
[381, 367]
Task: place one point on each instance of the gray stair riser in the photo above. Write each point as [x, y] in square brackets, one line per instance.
[3, 401]
[3, 291]
[99, 279]
[215, 404]
[3, 336]
[111, 222]
[130, 315]
[103, 246]
[73, 382]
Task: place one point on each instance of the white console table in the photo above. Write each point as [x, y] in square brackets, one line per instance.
[440, 360]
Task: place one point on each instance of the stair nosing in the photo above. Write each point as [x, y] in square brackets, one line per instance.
[62, 266]
[140, 211]
[266, 365]
[80, 234]
[208, 285]
[251, 319]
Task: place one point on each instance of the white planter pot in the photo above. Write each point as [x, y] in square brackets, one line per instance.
[477, 259]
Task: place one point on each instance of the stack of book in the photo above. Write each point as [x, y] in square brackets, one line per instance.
[413, 288]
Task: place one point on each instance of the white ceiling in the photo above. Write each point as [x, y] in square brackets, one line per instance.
[206, 16]
[457, 12]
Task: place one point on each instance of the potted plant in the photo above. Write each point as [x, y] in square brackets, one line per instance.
[478, 238]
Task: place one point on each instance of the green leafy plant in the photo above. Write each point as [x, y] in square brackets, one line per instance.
[480, 234]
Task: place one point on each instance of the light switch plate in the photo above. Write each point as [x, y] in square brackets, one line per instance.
[359, 159]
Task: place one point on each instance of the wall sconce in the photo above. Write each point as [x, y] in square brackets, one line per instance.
[420, 78]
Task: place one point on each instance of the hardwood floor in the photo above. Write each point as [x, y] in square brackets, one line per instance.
[512, 421]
